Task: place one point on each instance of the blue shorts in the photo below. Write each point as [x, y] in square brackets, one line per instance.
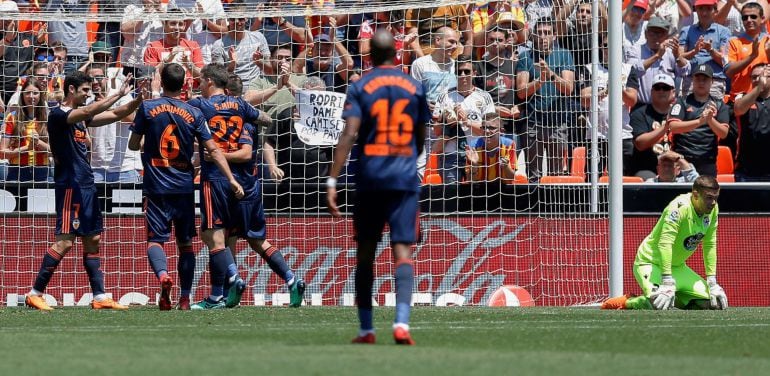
[216, 197]
[398, 208]
[160, 211]
[248, 219]
[77, 211]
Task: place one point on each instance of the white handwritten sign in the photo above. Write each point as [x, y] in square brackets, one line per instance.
[320, 117]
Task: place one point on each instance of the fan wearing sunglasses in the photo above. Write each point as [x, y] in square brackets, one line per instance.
[747, 50]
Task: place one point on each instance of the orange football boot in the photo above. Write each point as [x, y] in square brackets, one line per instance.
[37, 302]
[368, 339]
[618, 302]
[402, 337]
[108, 304]
[164, 303]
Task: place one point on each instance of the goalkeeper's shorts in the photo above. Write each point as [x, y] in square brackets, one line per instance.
[689, 285]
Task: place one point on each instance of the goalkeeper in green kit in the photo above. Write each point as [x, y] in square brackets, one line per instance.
[660, 268]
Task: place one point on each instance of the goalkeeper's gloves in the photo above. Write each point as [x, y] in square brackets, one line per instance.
[716, 293]
[663, 297]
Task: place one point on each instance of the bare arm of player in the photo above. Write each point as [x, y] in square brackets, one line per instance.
[268, 151]
[345, 144]
[124, 111]
[264, 119]
[135, 142]
[88, 112]
[242, 155]
[219, 159]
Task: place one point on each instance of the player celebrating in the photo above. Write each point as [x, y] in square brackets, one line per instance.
[386, 113]
[77, 203]
[226, 116]
[248, 214]
[660, 268]
[169, 127]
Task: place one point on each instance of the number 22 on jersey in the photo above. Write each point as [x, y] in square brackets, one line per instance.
[394, 131]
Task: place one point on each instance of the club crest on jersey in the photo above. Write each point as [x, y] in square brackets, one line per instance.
[75, 223]
[691, 242]
[706, 221]
[673, 216]
[676, 110]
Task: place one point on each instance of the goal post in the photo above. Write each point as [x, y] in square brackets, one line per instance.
[548, 233]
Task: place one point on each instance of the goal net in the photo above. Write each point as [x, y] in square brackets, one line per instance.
[495, 221]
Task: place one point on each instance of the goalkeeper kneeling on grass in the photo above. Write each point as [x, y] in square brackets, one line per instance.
[660, 268]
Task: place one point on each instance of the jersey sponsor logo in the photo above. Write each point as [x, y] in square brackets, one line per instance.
[673, 216]
[676, 110]
[80, 136]
[691, 242]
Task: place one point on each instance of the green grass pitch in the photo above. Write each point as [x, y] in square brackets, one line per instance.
[450, 341]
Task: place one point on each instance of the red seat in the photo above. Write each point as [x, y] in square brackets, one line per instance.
[726, 178]
[626, 179]
[724, 160]
[578, 164]
[432, 179]
[565, 179]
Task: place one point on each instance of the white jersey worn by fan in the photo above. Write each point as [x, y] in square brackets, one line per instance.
[477, 104]
[436, 78]
[109, 145]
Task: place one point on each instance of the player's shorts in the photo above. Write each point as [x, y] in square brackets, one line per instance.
[216, 197]
[689, 285]
[77, 211]
[397, 208]
[163, 210]
[248, 218]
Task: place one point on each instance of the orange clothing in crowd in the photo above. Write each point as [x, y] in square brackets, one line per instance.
[23, 158]
[738, 49]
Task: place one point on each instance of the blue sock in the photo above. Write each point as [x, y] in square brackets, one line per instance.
[157, 258]
[186, 267]
[92, 263]
[232, 268]
[50, 262]
[364, 279]
[217, 271]
[277, 263]
[404, 277]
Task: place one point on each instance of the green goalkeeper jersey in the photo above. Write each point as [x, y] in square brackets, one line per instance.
[676, 237]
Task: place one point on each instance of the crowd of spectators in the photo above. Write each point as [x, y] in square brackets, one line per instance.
[511, 83]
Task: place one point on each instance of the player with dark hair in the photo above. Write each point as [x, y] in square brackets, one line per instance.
[169, 127]
[249, 216]
[660, 268]
[386, 113]
[77, 203]
[221, 213]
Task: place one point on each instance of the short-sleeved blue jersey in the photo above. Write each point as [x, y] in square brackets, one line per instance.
[69, 149]
[226, 116]
[170, 127]
[391, 105]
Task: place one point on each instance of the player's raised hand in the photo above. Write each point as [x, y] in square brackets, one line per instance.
[331, 201]
[663, 297]
[237, 189]
[126, 86]
[716, 294]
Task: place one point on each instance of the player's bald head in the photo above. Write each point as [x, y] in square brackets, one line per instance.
[383, 48]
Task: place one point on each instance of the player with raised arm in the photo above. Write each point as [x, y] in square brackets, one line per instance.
[166, 129]
[660, 268]
[226, 117]
[77, 203]
[386, 113]
[248, 214]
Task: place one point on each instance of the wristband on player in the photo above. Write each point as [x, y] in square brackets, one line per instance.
[331, 183]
